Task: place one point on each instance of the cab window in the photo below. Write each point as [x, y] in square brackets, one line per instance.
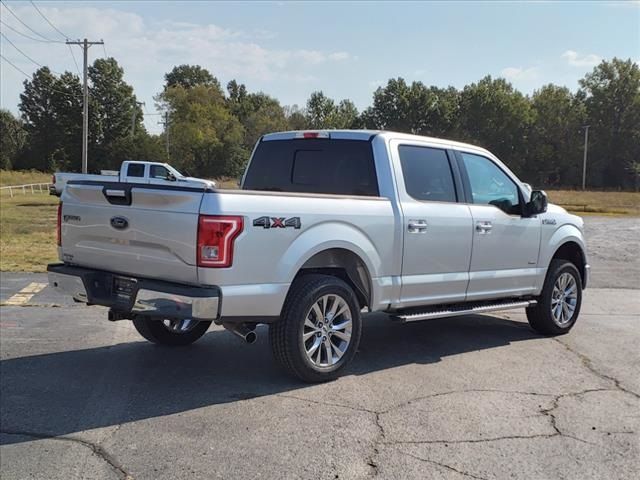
[135, 170]
[159, 172]
[427, 173]
[490, 185]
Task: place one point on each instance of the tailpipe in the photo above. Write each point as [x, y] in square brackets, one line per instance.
[242, 331]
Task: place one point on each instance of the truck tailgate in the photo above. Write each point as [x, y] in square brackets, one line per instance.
[142, 230]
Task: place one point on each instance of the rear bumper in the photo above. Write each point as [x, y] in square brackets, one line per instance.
[136, 296]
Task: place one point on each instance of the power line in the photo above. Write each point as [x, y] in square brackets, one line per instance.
[24, 54]
[24, 34]
[47, 20]
[30, 77]
[27, 26]
[74, 60]
[18, 69]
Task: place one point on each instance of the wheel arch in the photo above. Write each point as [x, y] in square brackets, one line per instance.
[344, 264]
[573, 252]
[339, 249]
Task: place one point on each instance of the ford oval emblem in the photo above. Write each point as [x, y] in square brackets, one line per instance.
[119, 223]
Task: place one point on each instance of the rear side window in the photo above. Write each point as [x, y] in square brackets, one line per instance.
[135, 170]
[427, 173]
[340, 167]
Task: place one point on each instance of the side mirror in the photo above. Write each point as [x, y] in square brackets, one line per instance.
[171, 177]
[537, 203]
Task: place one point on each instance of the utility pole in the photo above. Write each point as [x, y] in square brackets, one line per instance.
[584, 159]
[85, 44]
[133, 117]
[165, 123]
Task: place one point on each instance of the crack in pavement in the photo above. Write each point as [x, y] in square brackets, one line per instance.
[381, 436]
[443, 465]
[95, 448]
[588, 364]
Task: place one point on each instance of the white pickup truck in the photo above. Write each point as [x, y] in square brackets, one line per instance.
[130, 172]
[326, 225]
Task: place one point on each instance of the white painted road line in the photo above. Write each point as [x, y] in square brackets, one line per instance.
[24, 295]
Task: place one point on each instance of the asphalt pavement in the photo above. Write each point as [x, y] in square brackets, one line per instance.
[479, 397]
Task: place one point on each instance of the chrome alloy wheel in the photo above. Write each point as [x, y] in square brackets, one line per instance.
[179, 326]
[327, 330]
[564, 299]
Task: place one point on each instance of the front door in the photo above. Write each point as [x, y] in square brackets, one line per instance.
[437, 229]
[505, 244]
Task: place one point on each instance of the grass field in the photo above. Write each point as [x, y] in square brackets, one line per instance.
[22, 177]
[28, 222]
[28, 232]
[597, 203]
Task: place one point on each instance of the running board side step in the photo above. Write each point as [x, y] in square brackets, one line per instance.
[455, 311]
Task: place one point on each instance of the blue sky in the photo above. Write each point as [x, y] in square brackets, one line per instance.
[289, 50]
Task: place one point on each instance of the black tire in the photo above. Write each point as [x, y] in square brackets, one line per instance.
[286, 335]
[156, 332]
[540, 317]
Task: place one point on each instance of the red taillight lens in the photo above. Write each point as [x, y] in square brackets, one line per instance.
[59, 224]
[53, 178]
[216, 234]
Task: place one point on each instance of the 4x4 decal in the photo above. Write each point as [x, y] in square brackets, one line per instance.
[277, 222]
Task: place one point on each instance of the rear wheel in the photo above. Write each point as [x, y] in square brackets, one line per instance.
[559, 303]
[319, 329]
[170, 332]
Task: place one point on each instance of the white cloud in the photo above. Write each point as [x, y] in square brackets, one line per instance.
[148, 48]
[154, 47]
[518, 73]
[576, 59]
[339, 56]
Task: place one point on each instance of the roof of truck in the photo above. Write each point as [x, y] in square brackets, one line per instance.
[366, 135]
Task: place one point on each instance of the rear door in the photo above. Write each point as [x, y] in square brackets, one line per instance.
[437, 228]
[142, 230]
[505, 244]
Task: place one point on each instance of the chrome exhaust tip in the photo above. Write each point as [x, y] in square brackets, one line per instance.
[240, 330]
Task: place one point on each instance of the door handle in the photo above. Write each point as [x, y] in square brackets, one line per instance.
[483, 227]
[417, 226]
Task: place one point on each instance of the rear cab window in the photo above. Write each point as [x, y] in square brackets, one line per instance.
[319, 165]
[135, 170]
[427, 173]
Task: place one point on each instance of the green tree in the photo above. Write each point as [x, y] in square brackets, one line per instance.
[12, 139]
[296, 117]
[113, 113]
[612, 93]
[257, 112]
[205, 138]
[555, 139]
[323, 113]
[413, 109]
[51, 110]
[496, 116]
[188, 76]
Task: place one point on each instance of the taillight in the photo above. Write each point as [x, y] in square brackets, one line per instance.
[53, 179]
[216, 234]
[59, 224]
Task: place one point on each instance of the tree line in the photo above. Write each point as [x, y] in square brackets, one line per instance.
[210, 130]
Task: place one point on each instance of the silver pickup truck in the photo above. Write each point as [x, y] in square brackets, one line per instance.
[326, 225]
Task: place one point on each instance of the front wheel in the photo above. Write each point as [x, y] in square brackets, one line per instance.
[319, 329]
[559, 303]
[170, 332]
